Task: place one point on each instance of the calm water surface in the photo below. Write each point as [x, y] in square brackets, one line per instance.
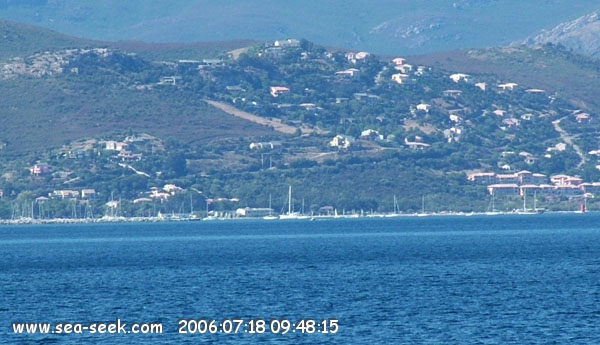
[407, 280]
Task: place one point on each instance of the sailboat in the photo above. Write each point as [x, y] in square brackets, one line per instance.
[289, 214]
[422, 214]
[525, 210]
[396, 212]
[302, 215]
[270, 216]
[492, 209]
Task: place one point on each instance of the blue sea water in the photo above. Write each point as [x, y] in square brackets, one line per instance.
[409, 280]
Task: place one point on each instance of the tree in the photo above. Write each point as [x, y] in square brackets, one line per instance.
[176, 164]
[306, 45]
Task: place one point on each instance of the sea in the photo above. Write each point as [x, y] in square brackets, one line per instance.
[502, 279]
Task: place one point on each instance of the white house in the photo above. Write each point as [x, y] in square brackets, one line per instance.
[424, 107]
[65, 193]
[290, 42]
[278, 90]
[398, 61]
[482, 177]
[371, 134]
[400, 78]
[355, 57]
[350, 73]
[582, 118]
[112, 145]
[405, 68]
[39, 169]
[455, 118]
[508, 86]
[456, 77]
[88, 193]
[415, 144]
[341, 142]
[171, 188]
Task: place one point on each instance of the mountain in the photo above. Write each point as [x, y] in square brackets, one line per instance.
[384, 27]
[349, 129]
[580, 35]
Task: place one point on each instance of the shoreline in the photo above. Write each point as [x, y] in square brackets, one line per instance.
[35, 221]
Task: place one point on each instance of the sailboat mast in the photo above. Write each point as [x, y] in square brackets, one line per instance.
[270, 209]
[290, 200]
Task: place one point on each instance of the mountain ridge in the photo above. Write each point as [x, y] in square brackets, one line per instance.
[387, 27]
[580, 35]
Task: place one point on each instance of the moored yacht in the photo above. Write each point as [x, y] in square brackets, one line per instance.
[290, 214]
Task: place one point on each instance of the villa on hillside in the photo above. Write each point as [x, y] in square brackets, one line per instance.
[415, 145]
[276, 91]
[400, 78]
[350, 73]
[527, 183]
[457, 77]
[370, 134]
[88, 193]
[355, 57]
[404, 68]
[39, 169]
[112, 145]
[508, 86]
[398, 61]
[423, 107]
[341, 142]
[64, 193]
[287, 43]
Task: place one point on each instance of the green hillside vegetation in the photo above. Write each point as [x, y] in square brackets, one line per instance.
[102, 98]
[181, 51]
[571, 76]
[19, 39]
[63, 107]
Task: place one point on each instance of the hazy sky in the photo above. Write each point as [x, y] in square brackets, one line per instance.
[385, 26]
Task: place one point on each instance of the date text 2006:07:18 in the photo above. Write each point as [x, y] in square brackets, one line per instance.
[257, 325]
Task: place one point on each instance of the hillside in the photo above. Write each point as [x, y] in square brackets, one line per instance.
[385, 27]
[579, 35]
[19, 39]
[570, 75]
[365, 128]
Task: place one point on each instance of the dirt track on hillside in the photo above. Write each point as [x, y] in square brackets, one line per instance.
[569, 140]
[276, 124]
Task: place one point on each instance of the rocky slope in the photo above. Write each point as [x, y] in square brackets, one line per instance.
[580, 35]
